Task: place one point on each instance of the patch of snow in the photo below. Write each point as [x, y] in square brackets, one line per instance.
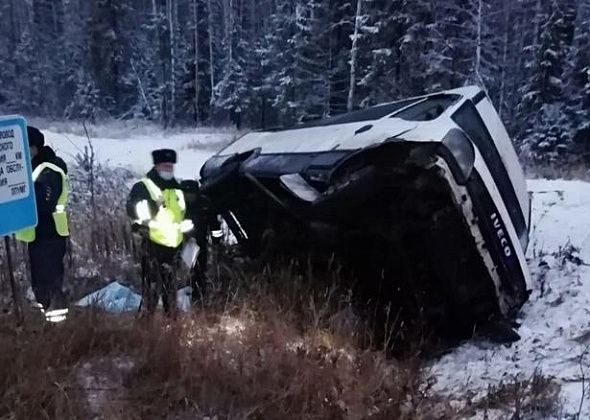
[560, 214]
[120, 129]
[555, 330]
[134, 153]
[231, 325]
[87, 271]
[199, 332]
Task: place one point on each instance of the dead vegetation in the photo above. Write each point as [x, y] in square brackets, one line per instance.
[253, 353]
[194, 367]
[536, 397]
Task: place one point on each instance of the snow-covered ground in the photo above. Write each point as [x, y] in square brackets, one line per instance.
[555, 330]
[134, 151]
[555, 322]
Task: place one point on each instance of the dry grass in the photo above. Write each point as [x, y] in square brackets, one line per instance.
[531, 398]
[101, 242]
[266, 345]
[254, 353]
[258, 376]
[195, 367]
[38, 365]
[274, 346]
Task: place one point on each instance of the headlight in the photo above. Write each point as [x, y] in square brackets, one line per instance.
[321, 167]
[462, 150]
[318, 175]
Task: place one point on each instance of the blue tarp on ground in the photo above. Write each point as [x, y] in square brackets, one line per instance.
[113, 298]
[117, 298]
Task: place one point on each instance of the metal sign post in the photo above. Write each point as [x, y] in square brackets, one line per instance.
[15, 296]
[17, 194]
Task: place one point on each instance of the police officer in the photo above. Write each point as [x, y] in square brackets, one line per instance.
[157, 208]
[46, 242]
[204, 218]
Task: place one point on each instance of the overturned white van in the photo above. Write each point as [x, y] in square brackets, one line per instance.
[425, 192]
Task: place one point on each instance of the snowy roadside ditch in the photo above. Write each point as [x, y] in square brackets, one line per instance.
[555, 322]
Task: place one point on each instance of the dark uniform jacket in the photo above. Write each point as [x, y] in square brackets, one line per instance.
[200, 210]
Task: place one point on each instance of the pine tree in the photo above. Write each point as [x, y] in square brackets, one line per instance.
[488, 23]
[147, 73]
[105, 55]
[416, 47]
[540, 112]
[197, 73]
[338, 17]
[267, 62]
[188, 62]
[578, 70]
[232, 92]
[8, 74]
[464, 45]
[28, 80]
[386, 28]
[545, 84]
[279, 58]
[255, 23]
[447, 62]
[312, 84]
[86, 102]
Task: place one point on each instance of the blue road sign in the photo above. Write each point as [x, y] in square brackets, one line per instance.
[18, 209]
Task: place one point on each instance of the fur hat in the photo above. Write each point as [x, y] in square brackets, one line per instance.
[36, 137]
[164, 156]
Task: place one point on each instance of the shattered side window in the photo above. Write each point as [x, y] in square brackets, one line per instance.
[429, 109]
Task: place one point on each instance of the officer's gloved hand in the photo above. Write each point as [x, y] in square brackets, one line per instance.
[140, 231]
[186, 226]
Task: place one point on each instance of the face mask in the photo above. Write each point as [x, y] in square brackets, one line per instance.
[166, 175]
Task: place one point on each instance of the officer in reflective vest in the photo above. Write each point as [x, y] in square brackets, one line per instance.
[157, 209]
[46, 242]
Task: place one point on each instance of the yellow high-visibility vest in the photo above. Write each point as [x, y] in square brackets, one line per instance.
[164, 228]
[60, 217]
